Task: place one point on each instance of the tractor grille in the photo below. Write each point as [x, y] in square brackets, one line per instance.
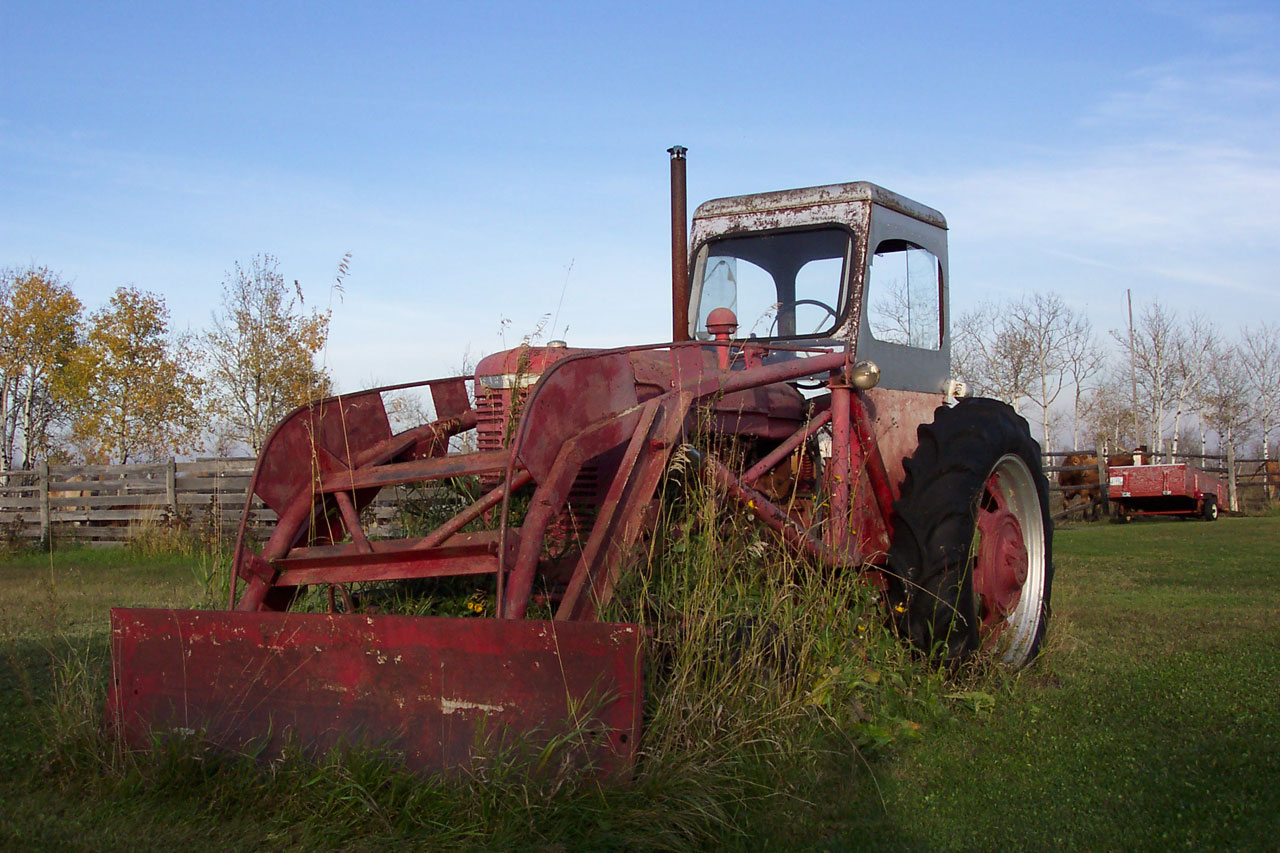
[492, 412]
[491, 418]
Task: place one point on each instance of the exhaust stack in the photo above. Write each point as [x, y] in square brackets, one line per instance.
[679, 247]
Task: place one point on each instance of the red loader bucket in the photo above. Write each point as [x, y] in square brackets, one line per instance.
[435, 690]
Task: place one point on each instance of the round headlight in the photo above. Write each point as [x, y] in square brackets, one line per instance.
[865, 375]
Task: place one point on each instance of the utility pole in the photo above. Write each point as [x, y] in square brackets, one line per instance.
[1133, 369]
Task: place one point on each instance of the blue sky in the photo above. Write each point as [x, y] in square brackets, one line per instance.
[479, 160]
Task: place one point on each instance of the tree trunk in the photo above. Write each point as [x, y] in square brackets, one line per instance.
[5, 455]
[1232, 499]
[26, 420]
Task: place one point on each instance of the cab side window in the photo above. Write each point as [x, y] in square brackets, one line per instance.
[904, 295]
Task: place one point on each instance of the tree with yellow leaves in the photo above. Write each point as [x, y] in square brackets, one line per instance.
[40, 322]
[135, 399]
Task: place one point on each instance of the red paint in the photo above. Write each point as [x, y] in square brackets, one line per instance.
[841, 472]
[1164, 489]
[431, 689]
[1001, 564]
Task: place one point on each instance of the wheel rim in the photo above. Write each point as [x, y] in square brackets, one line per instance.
[1009, 563]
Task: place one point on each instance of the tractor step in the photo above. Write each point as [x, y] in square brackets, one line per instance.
[442, 692]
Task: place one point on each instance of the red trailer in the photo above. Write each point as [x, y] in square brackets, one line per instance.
[1166, 490]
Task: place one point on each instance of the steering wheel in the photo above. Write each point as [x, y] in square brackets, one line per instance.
[824, 306]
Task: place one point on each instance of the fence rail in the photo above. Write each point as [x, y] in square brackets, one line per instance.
[108, 504]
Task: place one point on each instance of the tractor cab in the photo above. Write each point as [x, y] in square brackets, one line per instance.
[827, 266]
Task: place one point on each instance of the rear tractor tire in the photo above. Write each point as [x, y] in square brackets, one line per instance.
[970, 565]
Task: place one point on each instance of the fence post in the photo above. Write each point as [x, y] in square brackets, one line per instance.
[171, 485]
[43, 480]
[1104, 482]
[1231, 478]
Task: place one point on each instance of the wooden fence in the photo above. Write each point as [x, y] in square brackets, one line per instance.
[109, 504]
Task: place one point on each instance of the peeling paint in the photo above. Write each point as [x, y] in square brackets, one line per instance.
[453, 706]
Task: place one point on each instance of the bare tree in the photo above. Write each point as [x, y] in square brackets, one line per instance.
[1083, 360]
[1224, 395]
[1043, 322]
[1260, 360]
[1151, 356]
[1027, 349]
[1190, 362]
[992, 355]
[1108, 412]
[890, 315]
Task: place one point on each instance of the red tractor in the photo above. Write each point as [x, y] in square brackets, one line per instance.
[810, 334]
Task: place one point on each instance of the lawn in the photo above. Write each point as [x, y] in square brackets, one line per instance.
[1153, 722]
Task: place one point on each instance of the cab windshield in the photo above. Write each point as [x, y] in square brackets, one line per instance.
[784, 285]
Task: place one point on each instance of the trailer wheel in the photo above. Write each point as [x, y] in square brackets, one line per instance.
[1210, 508]
[970, 564]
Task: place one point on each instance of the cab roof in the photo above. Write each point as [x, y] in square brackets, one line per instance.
[810, 197]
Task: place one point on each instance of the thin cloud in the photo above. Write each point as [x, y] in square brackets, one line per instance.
[1178, 198]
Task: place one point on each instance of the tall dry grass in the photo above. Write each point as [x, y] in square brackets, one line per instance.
[766, 677]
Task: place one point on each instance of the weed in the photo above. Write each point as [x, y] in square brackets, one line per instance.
[12, 536]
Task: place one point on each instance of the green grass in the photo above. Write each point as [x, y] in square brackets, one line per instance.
[72, 591]
[1152, 723]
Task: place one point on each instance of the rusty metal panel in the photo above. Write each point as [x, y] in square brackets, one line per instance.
[1129, 482]
[317, 439]
[432, 689]
[793, 202]
[895, 417]
[449, 397]
[571, 396]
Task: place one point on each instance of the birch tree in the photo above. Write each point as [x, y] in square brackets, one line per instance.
[1151, 356]
[1042, 322]
[1109, 414]
[1191, 360]
[1083, 360]
[1260, 360]
[40, 321]
[1224, 395]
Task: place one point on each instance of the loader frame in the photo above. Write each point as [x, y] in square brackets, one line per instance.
[583, 406]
